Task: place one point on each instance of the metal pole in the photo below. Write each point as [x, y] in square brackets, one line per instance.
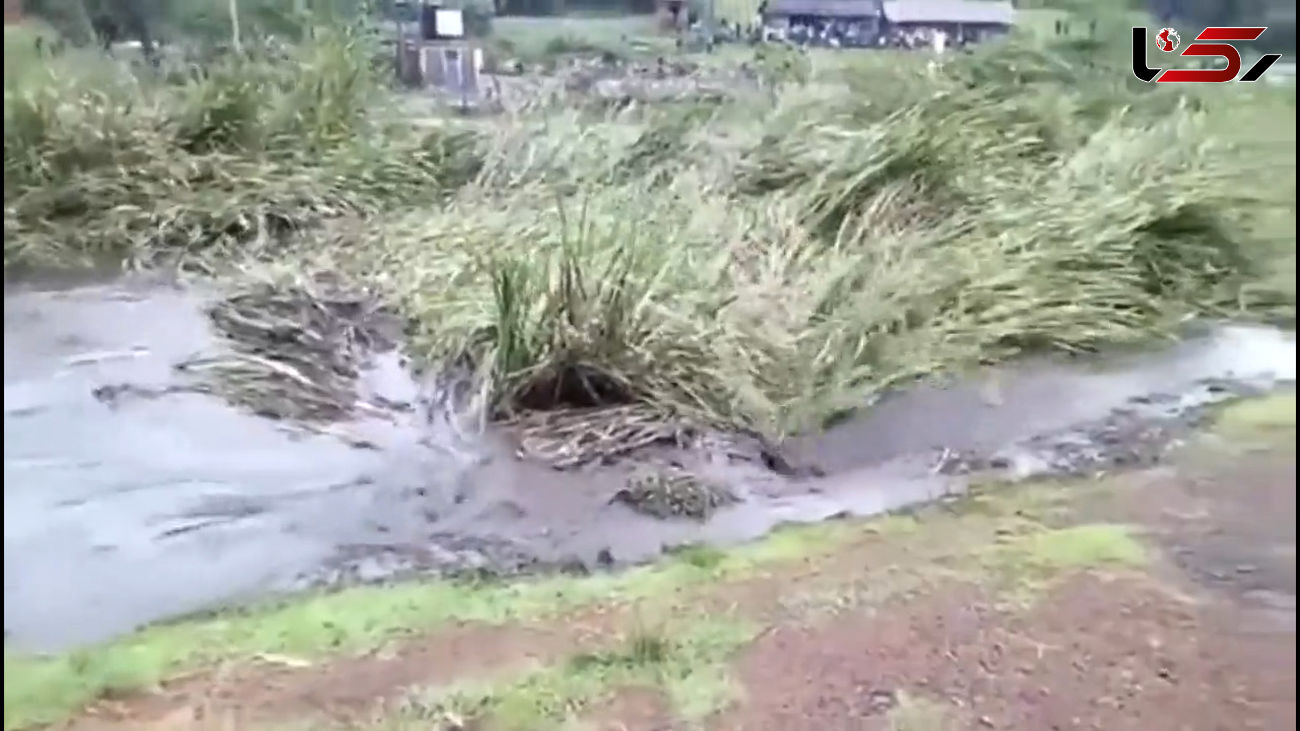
[234, 26]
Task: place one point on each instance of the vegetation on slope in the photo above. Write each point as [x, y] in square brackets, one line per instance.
[763, 263]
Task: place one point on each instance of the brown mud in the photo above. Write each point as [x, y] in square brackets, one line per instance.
[1011, 608]
[138, 494]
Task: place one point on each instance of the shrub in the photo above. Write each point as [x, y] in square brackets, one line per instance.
[247, 150]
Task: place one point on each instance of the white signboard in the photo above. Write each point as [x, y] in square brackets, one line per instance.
[451, 23]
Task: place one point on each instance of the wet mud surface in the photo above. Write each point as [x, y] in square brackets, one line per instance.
[131, 498]
[884, 634]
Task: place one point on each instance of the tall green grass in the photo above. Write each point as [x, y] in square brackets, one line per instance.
[768, 262]
[100, 159]
[771, 267]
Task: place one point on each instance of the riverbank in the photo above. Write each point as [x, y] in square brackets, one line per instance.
[576, 336]
[1017, 580]
[765, 261]
[129, 472]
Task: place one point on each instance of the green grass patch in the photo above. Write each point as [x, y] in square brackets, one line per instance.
[1268, 416]
[1015, 539]
[1082, 546]
[908, 220]
[687, 661]
[1025, 564]
[45, 689]
[229, 158]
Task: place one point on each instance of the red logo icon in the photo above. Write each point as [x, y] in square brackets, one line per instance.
[1167, 40]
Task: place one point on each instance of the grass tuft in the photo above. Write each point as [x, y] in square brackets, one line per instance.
[688, 662]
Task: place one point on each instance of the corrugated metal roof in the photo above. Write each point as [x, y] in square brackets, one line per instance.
[950, 11]
[825, 8]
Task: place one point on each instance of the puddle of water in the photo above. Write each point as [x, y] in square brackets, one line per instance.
[120, 512]
[1014, 403]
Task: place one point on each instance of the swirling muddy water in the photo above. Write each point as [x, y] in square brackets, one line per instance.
[121, 511]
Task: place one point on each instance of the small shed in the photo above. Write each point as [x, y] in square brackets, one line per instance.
[447, 64]
[436, 53]
[963, 20]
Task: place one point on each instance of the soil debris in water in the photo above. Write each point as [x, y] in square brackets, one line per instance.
[674, 495]
[295, 351]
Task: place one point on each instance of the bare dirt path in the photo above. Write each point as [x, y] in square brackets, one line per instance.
[1203, 637]
[1159, 599]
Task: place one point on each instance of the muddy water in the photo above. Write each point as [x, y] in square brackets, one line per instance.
[124, 506]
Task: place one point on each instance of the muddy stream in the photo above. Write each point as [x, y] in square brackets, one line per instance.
[123, 508]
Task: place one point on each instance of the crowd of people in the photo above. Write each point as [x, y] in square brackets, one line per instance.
[863, 34]
[831, 33]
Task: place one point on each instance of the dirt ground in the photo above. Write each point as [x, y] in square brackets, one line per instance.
[1159, 599]
[1202, 638]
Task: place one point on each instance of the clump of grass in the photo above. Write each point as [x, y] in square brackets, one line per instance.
[241, 154]
[562, 305]
[658, 150]
[686, 662]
